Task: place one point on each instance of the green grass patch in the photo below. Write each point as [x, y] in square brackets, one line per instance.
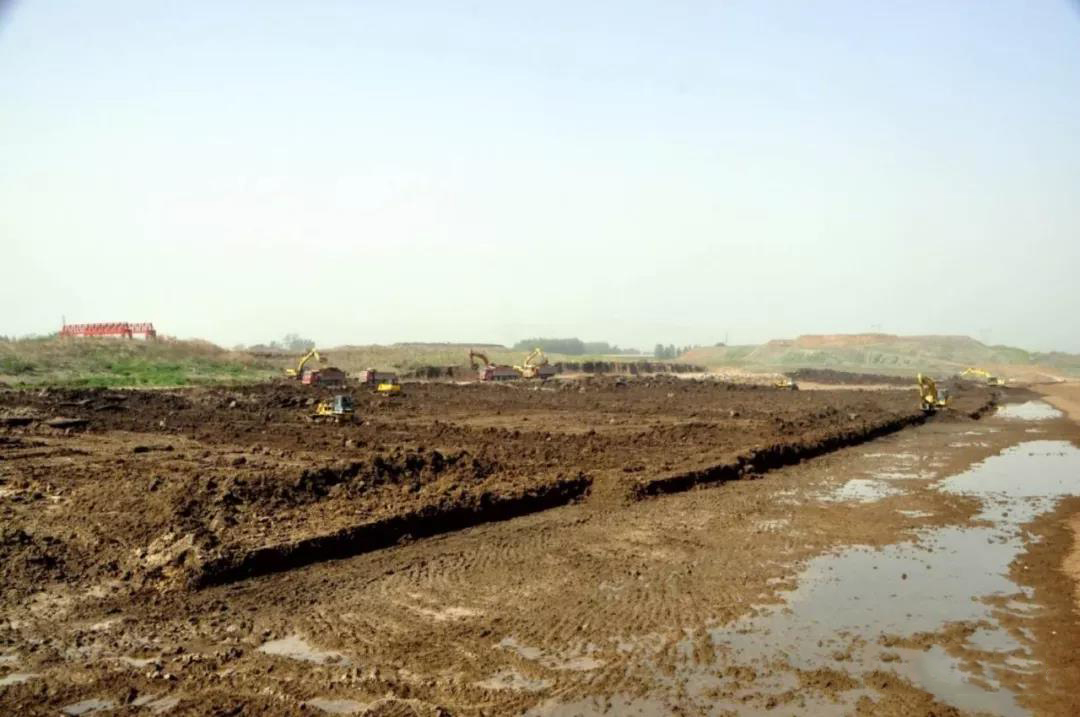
[14, 366]
[116, 363]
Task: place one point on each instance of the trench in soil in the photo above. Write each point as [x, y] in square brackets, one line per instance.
[436, 520]
[365, 537]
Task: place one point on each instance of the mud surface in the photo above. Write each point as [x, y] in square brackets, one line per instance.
[846, 378]
[880, 565]
[197, 487]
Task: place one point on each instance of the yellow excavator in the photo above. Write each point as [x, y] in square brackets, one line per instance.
[991, 380]
[535, 365]
[298, 372]
[931, 396]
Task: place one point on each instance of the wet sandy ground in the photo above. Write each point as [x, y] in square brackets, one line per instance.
[916, 574]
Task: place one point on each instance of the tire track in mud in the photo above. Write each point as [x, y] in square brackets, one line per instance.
[551, 615]
[619, 591]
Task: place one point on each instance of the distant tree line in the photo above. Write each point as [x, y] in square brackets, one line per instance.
[571, 347]
[290, 342]
[671, 351]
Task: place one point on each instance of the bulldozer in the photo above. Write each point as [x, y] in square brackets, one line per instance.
[298, 372]
[389, 388]
[991, 380]
[787, 384]
[337, 409]
[536, 365]
[930, 395]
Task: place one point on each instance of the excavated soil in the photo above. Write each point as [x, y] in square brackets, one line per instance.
[525, 549]
[194, 487]
[830, 376]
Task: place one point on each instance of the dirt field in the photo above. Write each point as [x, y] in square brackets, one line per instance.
[212, 552]
[207, 486]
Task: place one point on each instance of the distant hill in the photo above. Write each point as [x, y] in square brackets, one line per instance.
[886, 354]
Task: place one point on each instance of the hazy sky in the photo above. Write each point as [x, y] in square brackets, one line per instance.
[364, 172]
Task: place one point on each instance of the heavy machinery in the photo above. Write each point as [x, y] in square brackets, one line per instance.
[787, 384]
[474, 355]
[536, 365]
[488, 371]
[336, 409]
[932, 398]
[298, 372]
[372, 377]
[389, 387]
[991, 380]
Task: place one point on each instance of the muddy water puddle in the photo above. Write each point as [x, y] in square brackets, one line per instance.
[1029, 411]
[16, 678]
[852, 611]
[295, 647]
[846, 603]
[86, 707]
[336, 706]
[862, 490]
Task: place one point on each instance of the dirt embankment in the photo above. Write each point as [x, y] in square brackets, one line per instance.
[844, 378]
[209, 485]
[630, 368]
[1064, 396]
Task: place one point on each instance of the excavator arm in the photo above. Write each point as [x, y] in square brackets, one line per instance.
[532, 362]
[298, 372]
[536, 358]
[473, 355]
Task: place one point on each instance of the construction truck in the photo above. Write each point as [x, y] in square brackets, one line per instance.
[487, 371]
[991, 380]
[536, 365]
[329, 377]
[298, 372]
[337, 409]
[372, 377]
[930, 395]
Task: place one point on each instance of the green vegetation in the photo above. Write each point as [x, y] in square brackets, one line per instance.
[572, 347]
[118, 362]
[290, 342]
[15, 366]
[670, 352]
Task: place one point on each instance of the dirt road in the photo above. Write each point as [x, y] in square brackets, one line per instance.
[918, 573]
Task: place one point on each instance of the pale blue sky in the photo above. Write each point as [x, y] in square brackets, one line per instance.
[629, 171]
